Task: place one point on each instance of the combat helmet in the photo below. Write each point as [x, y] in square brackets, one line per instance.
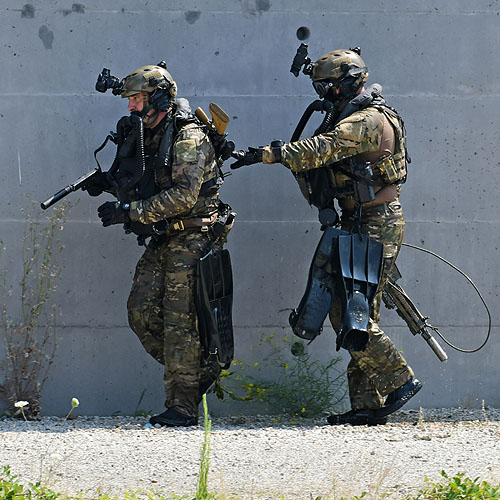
[343, 69]
[148, 79]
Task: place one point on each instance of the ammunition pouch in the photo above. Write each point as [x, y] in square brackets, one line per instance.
[214, 300]
[346, 267]
[388, 170]
[224, 222]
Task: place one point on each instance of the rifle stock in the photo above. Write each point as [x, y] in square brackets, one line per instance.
[217, 127]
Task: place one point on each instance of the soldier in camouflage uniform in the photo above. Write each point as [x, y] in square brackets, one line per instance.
[161, 305]
[380, 380]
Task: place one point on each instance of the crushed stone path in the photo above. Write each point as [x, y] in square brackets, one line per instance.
[255, 456]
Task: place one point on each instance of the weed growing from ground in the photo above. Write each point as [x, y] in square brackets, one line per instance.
[202, 491]
[304, 386]
[28, 311]
[74, 404]
[457, 487]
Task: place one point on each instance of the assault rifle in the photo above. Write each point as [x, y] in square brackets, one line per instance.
[216, 128]
[395, 297]
[78, 184]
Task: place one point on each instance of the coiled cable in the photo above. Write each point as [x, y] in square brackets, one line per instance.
[475, 288]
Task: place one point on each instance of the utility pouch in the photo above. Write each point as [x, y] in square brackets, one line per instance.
[387, 169]
[224, 222]
[363, 185]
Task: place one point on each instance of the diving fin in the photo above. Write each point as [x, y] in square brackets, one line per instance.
[307, 320]
[214, 301]
[359, 263]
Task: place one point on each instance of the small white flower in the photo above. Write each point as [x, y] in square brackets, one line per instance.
[55, 456]
[21, 404]
[75, 403]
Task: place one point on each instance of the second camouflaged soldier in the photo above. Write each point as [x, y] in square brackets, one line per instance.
[167, 181]
[360, 129]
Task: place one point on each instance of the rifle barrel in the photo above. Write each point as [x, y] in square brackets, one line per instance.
[56, 197]
[79, 183]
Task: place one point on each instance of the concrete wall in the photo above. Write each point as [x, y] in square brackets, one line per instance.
[438, 63]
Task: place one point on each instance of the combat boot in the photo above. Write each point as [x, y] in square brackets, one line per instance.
[357, 417]
[173, 418]
[399, 397]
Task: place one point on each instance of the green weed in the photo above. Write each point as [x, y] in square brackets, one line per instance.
[202, 492]
[11, 489]
[304, 386]
[28, 323]
[458, 488]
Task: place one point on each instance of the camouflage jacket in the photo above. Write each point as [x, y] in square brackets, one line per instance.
[359, 133]
[192, 164]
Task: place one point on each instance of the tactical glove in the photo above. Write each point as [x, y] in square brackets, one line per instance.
[253, 155]
[97, 185]
[112, 212]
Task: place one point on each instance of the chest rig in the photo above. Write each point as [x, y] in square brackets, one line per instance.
[143, 163]
[352, 177]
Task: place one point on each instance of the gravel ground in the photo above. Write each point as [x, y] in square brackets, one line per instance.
[255, 457]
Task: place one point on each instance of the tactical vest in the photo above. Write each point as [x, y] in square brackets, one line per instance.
[392, 169]
[320, 186]
[143, 166]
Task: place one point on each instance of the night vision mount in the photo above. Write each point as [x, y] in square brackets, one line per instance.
[106, 81]
[301, 59]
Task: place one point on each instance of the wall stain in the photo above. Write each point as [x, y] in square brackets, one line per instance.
[76, 7]
[262, 5]
[46, 36]
[254, 7]
[192, 16]
[28, 11]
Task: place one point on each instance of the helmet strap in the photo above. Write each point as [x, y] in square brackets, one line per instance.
[146, 108]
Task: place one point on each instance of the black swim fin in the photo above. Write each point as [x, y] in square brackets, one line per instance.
[359, 261]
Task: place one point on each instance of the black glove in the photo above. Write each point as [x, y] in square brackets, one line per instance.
[97, 185]
[253, 155]
[112, 212]
[161, 100]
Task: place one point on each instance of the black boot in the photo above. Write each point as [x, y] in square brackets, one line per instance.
[398, 398]
[173, 418]
[357, 417]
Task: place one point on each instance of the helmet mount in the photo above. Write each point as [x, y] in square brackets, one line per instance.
[146, 79]
[340, 69]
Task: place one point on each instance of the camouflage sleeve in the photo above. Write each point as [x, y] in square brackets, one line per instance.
[359, 133]
[190, 152]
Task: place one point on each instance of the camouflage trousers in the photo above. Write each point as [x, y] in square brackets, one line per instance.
[380, 368]
[161, 311]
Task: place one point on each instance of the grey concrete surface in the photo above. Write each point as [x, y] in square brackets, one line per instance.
[438, 64]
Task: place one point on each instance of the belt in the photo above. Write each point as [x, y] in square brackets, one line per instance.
[202, 222]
